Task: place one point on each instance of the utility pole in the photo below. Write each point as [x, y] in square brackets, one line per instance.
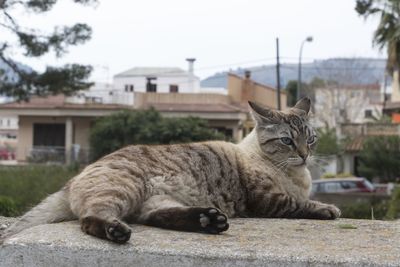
[278, 76]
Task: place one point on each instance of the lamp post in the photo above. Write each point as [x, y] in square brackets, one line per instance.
[308, 39]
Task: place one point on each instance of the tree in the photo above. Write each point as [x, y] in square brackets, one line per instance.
[291, 90]
[387, 34]
[380, 158]
[327, 141]
[145, 127]
[54, 80]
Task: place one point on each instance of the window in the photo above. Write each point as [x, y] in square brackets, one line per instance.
[173, 88]
[368, 113]
[49, 134]
[150, 87]
[129, 87]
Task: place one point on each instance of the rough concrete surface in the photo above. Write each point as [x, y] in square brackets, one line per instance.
[248, 242]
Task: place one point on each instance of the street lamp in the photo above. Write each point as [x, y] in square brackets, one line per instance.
[308, 39]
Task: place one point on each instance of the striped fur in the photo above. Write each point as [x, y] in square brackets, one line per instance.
[193, 187]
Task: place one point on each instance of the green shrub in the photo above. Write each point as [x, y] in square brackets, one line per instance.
[365, 210]
[7, 207]
[394, 205]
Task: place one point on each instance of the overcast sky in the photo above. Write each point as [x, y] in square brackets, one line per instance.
[219, 33]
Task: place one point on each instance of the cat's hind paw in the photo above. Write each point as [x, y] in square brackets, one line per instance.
[213, 221]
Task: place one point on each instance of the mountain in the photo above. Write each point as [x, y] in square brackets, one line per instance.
[342, 70]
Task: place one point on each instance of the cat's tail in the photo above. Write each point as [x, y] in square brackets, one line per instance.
[55, 208]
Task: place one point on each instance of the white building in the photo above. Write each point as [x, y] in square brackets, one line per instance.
[154, 79]
[349, 104]
[8, 126]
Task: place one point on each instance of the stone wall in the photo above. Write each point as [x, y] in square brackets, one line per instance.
[248, 242]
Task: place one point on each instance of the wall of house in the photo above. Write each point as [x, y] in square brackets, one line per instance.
[183, 98]
[186, 83]
[81, 128]
[334, 106]
[242, 90]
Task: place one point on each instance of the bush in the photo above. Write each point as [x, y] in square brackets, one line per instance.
[145, 127]
[394, 205]
[364, 211]
[380, 158]
[7, 207]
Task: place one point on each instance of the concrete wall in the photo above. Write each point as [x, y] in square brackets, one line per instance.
[181, 98]
[242, 90]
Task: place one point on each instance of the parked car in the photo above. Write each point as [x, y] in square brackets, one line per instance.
[342, 185]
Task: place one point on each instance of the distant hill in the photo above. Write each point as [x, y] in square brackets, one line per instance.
[343, 70]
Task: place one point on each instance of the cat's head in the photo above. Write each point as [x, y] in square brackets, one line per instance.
[286, 137]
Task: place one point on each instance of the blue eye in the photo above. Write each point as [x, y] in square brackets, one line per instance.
[311, 140]
[287, 141]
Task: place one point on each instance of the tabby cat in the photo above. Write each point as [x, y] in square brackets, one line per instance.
[194, 187]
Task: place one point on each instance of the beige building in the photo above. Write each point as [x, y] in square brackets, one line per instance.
[54, 129]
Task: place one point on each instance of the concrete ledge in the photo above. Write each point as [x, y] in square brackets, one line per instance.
[249, 242]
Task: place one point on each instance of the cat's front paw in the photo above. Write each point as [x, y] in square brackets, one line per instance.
[327, 212]
[213, 221]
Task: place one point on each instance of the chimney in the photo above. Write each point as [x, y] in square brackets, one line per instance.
[247, 74]
[191, 63]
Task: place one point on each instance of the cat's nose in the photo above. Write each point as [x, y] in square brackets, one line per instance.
[304, 157]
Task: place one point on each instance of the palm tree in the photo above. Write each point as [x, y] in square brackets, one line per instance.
[387, 34]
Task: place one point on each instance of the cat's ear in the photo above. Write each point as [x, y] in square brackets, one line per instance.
[302, 106]
[264, 115]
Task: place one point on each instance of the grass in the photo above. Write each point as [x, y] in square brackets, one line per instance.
[26, 186]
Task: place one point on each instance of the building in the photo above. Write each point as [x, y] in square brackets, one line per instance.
[357, 134]
[347, 104]
[56, 128]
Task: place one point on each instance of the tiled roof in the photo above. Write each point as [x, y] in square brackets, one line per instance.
[355, 145]
[151, 71]
[392, 105]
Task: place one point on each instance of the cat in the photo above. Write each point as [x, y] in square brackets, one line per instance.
[194, 187]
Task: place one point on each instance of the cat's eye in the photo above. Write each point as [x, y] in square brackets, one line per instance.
[311, 140]
[286, 141]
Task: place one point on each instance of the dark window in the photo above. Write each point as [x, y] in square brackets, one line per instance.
[150, 87]
[173, 88]
[46, 134]
[131, 87]
[368, 113]
[126, 87]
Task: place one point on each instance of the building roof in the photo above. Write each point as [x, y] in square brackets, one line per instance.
[56, 102]
[152, 71]
[175, 107]
[374, 86]
[392, 105]
[355, 145]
